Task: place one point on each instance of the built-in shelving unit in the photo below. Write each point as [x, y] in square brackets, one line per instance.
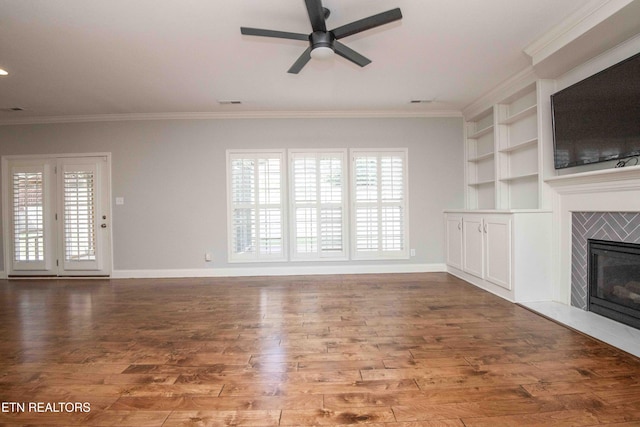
[506, 148]
[480, 156]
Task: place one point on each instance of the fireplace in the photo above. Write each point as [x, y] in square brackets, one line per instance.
[614, 280]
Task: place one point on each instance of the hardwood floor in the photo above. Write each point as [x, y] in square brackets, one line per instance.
[384, 350]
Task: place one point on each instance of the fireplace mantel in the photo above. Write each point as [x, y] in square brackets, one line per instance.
[617, 179]
[610, 190]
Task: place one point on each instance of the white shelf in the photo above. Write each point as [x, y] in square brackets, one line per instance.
[481, 157]
[520, 145]
[517, 177]
[483, 182]
[482, 132]
[520, 115]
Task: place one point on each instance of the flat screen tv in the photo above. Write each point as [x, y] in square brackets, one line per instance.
[598, 118]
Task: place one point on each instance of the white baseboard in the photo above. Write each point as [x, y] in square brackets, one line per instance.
[280, 271]
[3, 274]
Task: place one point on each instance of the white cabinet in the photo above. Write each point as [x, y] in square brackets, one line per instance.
[487, 248]
[497, 249]
[454, 240]
[473, 245]
[503, 252]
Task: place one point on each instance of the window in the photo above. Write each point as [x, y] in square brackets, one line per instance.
[256, 201]
[379, 212]
[79, 215]
[310, 211]
[28, 215]
[318, 205]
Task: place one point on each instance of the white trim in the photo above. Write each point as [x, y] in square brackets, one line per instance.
[627, 178]
[585, 19]
[281, 271]
[3, 274]
[221, 115]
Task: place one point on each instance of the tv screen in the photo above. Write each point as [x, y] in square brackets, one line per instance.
[598, 119]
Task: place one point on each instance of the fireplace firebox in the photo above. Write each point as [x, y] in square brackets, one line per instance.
[614, 280]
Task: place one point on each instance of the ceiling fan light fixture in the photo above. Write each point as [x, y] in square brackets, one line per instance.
[322, 53]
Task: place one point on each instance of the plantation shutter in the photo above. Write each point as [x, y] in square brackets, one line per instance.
[79, 216]
[318, 205]
[380, 215]
[31, 210]
[28, 216]
[256, 201]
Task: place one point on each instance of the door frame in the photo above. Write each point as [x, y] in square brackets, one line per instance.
[6, 230]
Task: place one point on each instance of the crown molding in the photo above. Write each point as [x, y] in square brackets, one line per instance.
[348, 114]
[500, 92]
[572, 27]
[596, 27]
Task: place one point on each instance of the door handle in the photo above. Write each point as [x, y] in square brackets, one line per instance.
[480, 228]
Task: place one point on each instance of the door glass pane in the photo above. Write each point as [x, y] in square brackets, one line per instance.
[79, 216]
[28, 216]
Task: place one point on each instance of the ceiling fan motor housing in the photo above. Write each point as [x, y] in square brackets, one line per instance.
[321, 39]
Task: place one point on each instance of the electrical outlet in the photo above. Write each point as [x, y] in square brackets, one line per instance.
[208, 257]
[413, 252]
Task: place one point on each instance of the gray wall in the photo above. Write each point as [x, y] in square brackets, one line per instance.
[172, 175]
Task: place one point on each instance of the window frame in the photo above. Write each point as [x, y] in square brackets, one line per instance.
[319, 255]
[349, 205]
[380, 253]
[257, 255]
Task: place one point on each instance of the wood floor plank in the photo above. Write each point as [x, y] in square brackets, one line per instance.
[390, 350]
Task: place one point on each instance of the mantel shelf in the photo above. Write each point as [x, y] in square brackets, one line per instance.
[627, 177]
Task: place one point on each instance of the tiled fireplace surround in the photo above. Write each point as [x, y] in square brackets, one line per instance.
[600, 204]
[613, 226]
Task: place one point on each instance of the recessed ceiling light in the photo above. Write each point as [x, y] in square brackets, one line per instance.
[3, 72]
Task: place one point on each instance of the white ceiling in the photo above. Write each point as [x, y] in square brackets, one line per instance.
[96, 57]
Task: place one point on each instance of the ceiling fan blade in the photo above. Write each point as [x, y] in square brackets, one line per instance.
[350, 54]
[271, 33]
[301, 62]
[367, 23]
[316, 15]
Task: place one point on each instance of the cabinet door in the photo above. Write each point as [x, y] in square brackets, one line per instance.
[473, 254]
[454, 240]
[497, 232]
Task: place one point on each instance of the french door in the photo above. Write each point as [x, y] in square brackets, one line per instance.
[58, 216]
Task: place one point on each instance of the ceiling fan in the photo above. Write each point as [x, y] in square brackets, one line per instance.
[323, 43]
